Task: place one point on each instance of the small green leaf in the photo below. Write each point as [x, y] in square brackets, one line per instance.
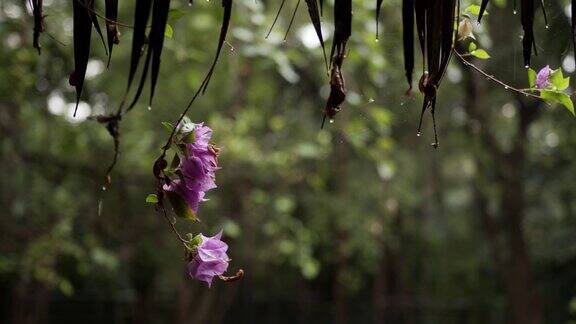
[558, 97]
[168, 32]
[152, 199]
[472, 47]
[168, 126]
[180, 207]
[474, 10]
[558, 80]
[175, 14]
[481, 54]
[531, 77]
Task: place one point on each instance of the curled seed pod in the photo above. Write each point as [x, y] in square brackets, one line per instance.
[342, 32]
[435, 24]
[38, 22]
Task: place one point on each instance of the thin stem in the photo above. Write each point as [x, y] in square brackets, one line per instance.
[161, 206]
[494, 79]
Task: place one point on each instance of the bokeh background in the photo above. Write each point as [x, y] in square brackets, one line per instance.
[362, 222]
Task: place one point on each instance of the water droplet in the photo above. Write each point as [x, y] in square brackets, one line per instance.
[547, 26]
[371, 100]
[526, 66]
[506, 87]
[401, 103]
[377, 40]
[331, 121]
[515, 11]
[149, 107]
[418, 134]
[103, 188]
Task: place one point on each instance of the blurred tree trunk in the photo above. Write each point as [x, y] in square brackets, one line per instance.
[505, 169]
[30, 303]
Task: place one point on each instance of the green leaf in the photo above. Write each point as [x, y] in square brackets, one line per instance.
[474, 10]
[175, 14]
[472, 47]
[152, 199]
[558, 97]
[558, 80]
[531, 77]
[168, 32]
[481, 54]
[168, 126]
[180, 207]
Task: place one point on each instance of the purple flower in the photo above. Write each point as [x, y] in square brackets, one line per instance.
[197, 168]
[211, 259]
[543, 77]
[191, 197]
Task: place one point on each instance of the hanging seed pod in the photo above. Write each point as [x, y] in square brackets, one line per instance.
[527, 19]
[111, 26]
[378, 7]
[141, 15]
[483, 6]
[315, 19]
[90, 6]
[159, 22]
[435, 24]
[38, 22]
[408, 39]
[544, 12]
[227, 5]
[342, 32]
[82, 32]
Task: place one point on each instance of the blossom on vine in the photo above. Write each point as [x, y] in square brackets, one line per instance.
[543, 77]
[210, 260]
[191, 197]
[196, 169]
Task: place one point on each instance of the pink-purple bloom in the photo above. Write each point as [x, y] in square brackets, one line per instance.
[543, 77]
[197, 169]
[210, 260]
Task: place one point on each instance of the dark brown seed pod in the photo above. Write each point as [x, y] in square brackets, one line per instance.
[315, 19]
[82, 32]
[378, 7]
[435, 26]
[483, 6]
[111, 26]
[159, 22]
[141, 15]
[342, 32]
[37, 11]
[90, 4]
[527, 19]
[408, 39]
